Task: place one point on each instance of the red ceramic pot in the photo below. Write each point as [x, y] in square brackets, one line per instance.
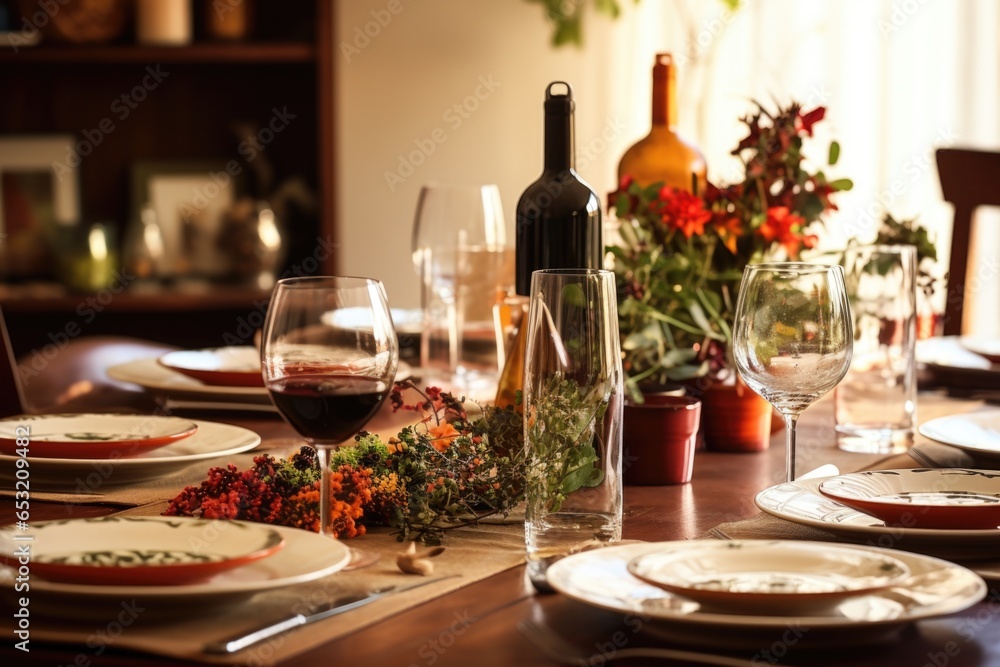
[735, 419]
[659, 440]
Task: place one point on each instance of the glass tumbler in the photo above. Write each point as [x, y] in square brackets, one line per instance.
[573, 402]
[875, 405]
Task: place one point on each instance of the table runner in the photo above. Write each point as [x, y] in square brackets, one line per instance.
[473, 553]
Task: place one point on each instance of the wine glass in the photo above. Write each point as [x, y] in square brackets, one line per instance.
[792, 337]
[329, 357]
[465, 266]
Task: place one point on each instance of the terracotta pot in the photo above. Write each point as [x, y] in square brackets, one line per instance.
[735, 419]
[659, 440]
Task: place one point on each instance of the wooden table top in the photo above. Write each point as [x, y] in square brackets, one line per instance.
[723, 489]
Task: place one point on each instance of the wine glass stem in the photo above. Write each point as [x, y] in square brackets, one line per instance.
[790, 421]
[325, 522]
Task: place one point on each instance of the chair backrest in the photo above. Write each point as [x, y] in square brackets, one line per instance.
[11, 393]
[969, 179]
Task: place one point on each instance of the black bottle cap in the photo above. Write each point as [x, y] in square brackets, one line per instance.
[559, 103]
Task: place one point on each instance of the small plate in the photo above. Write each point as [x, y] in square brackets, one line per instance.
[91, 436]
[977, 432]
[944, 498]
[221, 366]
[212, 441]
[767, 577]
[140, 551]
[599, 578]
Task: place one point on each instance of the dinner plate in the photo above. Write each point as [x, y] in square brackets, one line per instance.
[212, 440]
[767, 576]
[90, 436]
[801, 502]
[952, 365]
[988, 348]
[306, 557]
[600, 578]
[139, 551]
[944, 498]
[221, 366]
[152, 375]
[977, 432]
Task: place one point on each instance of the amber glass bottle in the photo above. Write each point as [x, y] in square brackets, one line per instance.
[663, 155]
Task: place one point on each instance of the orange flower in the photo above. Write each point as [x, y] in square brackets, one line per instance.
[442, 436]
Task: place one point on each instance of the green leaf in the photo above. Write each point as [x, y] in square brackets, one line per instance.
[842, 184]
[834, 153]
[573, 295]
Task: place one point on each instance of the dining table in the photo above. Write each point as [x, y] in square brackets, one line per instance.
[476, 622]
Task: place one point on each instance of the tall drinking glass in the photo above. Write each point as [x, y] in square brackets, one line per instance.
[329, 357]
[465, 266]
[875, 405]
[792, 337]
[572, 415]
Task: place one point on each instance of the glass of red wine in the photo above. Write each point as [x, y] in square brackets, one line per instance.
[329, 355]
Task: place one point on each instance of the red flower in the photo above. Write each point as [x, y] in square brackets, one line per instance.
[784, 227]
[683, 211]
[804, 121]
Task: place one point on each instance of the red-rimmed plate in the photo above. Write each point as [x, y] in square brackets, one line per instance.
[988, 348]
[90, 436]
[942, 498]
[140, 551]
[221, 367]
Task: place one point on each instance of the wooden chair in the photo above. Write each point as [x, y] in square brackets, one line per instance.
[11, 394]
[74, 379]
[969, 179]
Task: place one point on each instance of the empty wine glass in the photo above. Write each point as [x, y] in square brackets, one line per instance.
[465, 266]
[329, 357]
[792, 337]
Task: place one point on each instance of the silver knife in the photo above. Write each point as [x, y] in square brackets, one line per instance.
[248, 639]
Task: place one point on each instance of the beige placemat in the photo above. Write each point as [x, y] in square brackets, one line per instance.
[473, 553]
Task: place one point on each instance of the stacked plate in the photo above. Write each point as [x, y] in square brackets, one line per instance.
[170, 565]
[83, 452]
[224, 375]
[745, 594]
[945, 512]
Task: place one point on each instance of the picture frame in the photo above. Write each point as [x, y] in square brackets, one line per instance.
[38, 193]
[187, 200]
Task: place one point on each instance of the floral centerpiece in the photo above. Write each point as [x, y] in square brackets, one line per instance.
[446, 471]
[681, 255]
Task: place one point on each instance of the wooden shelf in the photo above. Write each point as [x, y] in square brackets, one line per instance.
[16, 300]
[206, 52]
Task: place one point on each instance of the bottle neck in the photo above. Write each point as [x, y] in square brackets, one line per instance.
[664, 93]
[559, 149]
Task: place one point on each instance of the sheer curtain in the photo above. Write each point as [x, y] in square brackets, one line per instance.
[899, 78]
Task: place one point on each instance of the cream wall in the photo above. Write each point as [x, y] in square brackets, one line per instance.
[402, 87]
[890, 101]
